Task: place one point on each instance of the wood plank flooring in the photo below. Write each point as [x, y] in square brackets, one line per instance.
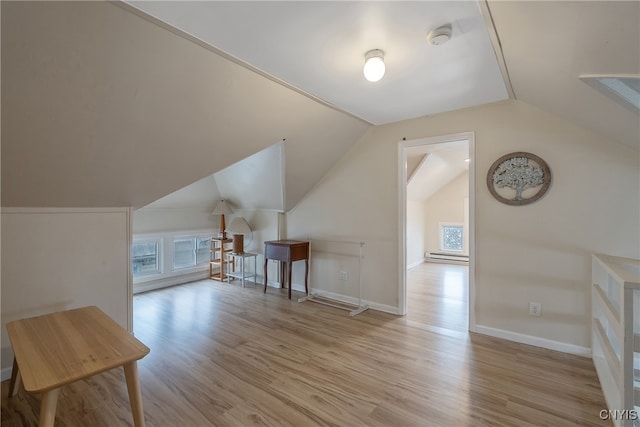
[223, 355]
[437, 295]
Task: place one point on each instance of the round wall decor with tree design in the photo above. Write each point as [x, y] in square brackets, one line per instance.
[519, 178]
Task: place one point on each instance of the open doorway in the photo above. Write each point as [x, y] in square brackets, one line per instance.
[436, 207]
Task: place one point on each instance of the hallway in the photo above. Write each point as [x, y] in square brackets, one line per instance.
[437, 295]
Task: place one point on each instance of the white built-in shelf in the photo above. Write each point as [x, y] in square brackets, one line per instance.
[616, 334]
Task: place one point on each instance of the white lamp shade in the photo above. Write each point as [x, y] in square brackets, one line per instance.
[222, 208]
[239, 225]
[374, 65]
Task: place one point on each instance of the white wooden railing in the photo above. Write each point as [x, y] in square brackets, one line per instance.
[616, 336]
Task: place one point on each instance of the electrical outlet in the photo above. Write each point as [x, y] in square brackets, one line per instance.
[343, 275]
[535, 309]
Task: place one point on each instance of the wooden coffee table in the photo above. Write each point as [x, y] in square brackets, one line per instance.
[60, 348]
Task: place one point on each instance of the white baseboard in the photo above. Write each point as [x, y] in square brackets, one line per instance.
[535, 341]
[415, 264]
[382, 307]
[170, 281]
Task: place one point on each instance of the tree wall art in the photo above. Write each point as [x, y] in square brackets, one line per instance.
[519, 178]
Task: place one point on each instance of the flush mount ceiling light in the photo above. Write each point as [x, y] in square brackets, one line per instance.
[440, 35]
[373, 65]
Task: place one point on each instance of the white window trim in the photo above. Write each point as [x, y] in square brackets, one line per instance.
[193, 250]
[194, 238]
[208, 257]
[166, 254]
[159, 244]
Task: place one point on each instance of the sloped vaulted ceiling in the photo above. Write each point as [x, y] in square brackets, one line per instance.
[548, 45]
[103, 108]
[254, 183]
[319, 47]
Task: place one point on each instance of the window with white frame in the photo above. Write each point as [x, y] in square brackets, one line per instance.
[145, 257]
[190, 251]
[167, 256]
[203, 249]
[184, 253]
[451, 237]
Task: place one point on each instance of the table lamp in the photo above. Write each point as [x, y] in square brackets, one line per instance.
[238, 227]
[221, 209]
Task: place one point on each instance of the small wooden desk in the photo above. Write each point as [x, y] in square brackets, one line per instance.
[60, 348]
[287, 251]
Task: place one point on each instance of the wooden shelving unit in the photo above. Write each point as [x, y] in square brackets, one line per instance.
[219, 247]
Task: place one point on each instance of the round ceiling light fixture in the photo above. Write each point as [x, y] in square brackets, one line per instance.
[440, 35]
[373, 65]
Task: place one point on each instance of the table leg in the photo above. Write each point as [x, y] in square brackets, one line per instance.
[265, 274]
[16, 379]
[48, 408]
[306, 276]
[242, 271]
[289, 276]
[283, 272]
[135, 398]
[222, 266]
[255, 269]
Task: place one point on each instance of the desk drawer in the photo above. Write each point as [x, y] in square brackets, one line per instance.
[299, 251]
[280, 253]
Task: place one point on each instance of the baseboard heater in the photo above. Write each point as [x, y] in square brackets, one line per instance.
[440, 256]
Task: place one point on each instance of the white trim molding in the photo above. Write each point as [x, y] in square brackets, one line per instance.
[402, 217]
[534, 341]
[165, 282]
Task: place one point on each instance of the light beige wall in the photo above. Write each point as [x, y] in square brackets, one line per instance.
[447, 205]
[101, 107]
[416, 232]
[540, 252]
[151, 220]
[59, 259]
[357, 201]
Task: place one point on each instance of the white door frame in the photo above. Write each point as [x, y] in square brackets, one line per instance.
[402, 217]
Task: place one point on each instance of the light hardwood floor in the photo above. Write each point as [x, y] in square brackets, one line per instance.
[437, 295]
[223, 355]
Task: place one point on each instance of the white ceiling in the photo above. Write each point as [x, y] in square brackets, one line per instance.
[319, 47]
[548, 45]
[543, 47]
[436, 166]
[201, 194]
[256, 182]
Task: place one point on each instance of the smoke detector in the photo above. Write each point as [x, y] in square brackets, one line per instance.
[440, 35]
